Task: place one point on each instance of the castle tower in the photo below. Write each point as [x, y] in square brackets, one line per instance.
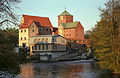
[65, 17]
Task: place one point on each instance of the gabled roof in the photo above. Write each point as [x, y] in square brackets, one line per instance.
[43, 21]
[65, 13]
[69, 25]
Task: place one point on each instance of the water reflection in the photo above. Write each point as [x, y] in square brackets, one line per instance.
[62, 70]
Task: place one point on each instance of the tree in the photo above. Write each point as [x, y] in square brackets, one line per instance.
[12, 35]
[8, 59]
[7, 15]
[87, 34]
[105, 37]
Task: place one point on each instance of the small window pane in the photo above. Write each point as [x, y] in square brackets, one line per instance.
[35, 47]
[47, 47]
[43, 47]
[39, 47]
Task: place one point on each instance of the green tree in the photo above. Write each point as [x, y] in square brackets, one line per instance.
[87, 34]
[105, 37]
[8, 59]
[12, 35]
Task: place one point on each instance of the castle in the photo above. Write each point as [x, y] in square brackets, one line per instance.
[34, 25]
[72, 31]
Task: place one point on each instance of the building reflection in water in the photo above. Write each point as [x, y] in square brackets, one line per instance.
[26, 70]
[58, 70]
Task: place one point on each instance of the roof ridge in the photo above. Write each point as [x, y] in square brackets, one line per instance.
[34, 16]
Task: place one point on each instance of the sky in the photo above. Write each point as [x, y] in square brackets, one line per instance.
[85, 11]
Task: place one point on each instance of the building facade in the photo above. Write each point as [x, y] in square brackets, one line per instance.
[72, 31]
[31, 26]
[47, 46]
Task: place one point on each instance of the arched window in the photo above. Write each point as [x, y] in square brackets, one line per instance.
[25, 38]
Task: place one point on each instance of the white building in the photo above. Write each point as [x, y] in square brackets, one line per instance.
[47, 46]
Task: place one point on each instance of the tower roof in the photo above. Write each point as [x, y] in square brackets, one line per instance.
[65, 13]
[70, 25]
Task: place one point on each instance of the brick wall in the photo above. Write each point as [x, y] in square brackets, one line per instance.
[65, 19]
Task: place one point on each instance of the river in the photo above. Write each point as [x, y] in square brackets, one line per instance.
[68, 69]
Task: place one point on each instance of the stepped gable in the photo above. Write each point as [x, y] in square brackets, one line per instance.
[43, 21]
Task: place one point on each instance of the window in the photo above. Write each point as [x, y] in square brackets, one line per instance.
[56, 47]
[40, 28]
[24, 30]
[25, 38]
[46, 29]
[21, 38]
[21, 31]
[49, 29]
[43, 40]
[39, 47]
[35, 40]
[33, 30]
[38, 40]
[43, 47]
[46, 40]
[35, 47]
[53, 46]
[46, 47]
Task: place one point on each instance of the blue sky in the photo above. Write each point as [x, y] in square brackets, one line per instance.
[85, 11]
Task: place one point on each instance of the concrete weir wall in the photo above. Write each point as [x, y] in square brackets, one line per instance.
[46, 56]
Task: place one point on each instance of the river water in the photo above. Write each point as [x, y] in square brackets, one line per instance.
[68, 69]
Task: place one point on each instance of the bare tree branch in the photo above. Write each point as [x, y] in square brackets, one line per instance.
[7, 14]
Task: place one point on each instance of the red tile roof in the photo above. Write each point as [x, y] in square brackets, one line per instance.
[44, 21]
